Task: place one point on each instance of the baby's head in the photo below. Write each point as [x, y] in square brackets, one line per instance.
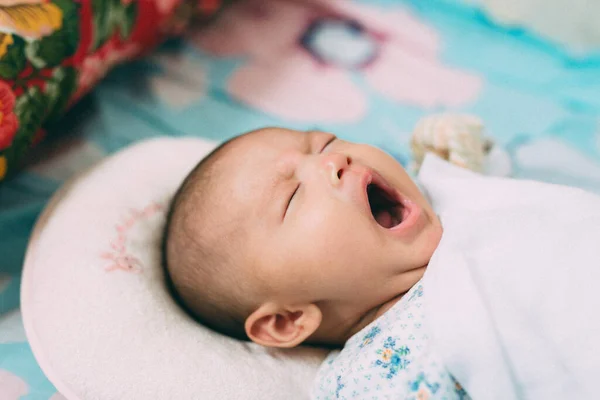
[287, 237]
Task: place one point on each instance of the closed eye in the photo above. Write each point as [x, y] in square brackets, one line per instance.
[290, 200]
[331, 140]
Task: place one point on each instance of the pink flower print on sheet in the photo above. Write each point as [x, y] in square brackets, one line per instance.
[119, 255]
[11, 386]
[302, 57]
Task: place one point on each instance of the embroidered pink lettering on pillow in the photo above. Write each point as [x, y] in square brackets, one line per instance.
[119, 255]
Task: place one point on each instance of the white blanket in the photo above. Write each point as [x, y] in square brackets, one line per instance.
[514, 287]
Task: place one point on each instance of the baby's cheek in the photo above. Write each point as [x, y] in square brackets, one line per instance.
[349, 235]
[320, 223]
[338, 216]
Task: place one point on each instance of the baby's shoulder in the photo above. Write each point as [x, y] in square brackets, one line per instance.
[377, 356]
[390, 358]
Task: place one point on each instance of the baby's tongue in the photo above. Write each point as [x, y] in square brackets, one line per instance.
[384, 219]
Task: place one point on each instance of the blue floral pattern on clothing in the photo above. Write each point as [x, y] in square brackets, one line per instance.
[368, 339]
[422, 387]
[339, 386]
[389, 359]
[393, 359]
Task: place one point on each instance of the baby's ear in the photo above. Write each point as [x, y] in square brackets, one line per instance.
[282, 326]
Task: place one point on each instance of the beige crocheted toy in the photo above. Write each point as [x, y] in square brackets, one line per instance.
[457, 138]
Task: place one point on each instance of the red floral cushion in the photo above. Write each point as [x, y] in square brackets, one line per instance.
[52, 52]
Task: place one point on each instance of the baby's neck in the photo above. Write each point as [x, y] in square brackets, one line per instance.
[372, 316]
[378, 312]
[386, 306]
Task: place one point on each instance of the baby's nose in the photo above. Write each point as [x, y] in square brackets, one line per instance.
[334, 165]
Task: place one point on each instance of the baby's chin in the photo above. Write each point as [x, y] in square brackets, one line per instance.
[431, 237]
[420, 251]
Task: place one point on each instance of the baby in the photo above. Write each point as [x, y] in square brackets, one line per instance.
[289, 238]
[285, 237]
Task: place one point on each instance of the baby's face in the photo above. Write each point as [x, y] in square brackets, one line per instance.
[330, 223]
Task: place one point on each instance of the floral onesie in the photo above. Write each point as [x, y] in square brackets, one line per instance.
[388, 359]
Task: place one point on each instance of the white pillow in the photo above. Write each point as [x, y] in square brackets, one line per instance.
[96, 310]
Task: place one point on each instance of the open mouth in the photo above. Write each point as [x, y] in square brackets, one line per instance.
[386, 207]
